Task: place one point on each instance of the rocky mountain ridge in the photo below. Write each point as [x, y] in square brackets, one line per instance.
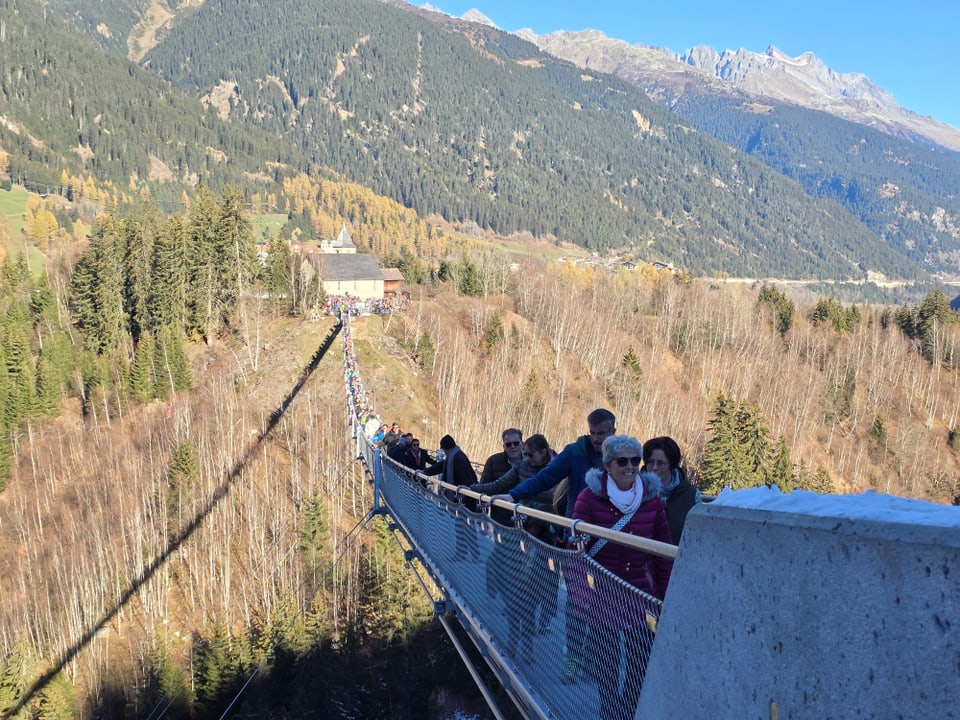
[803, 80]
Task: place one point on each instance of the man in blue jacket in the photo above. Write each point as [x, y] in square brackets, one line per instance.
[572, 463]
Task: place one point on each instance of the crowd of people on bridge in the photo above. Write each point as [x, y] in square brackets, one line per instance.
[354, 307]
[601, 478]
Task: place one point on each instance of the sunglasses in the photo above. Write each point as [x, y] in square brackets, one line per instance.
[515, 443]
[624, 461]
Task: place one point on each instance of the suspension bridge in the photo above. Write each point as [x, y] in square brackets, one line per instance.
[780, 606]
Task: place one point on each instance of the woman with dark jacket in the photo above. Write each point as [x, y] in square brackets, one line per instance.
[661, 456]
[620, 498]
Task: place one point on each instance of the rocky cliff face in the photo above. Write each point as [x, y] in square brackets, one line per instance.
[803, 80]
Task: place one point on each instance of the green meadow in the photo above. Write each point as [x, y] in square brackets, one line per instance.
[13, 203]
[267, 222]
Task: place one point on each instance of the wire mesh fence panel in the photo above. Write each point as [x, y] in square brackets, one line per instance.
[577, 636]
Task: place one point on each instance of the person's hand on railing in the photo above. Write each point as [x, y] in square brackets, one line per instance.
[506, 497]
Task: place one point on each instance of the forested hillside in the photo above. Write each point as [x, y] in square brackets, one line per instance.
[75, 116]
[484, 129]
[908, 195]
[906, 192]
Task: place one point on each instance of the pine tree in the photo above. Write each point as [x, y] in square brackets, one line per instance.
[59, 356]
[932, 314]
[181, 478]
[236, 251]
[168, 301]
[172, 363]
[16, 672]
[56, 699]
[754, 440]
[201, 265]
[781, 308]
[426, 352]
[48, 386]
[781, 467]
[313, 536]
[822, 482]
[214, 670]
[737, 453]
[6, 464]
[143, 373]
[43, 305]
[18, 364]
[92, 376]
[165, 683]
[494, 334]
[722, 458]
[96, 289]
[138, 234]
[278, 273]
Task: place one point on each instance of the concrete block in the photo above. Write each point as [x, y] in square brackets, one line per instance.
[817, 612]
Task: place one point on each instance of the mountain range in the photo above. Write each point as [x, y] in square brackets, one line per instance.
[460, 120]
[804, 81]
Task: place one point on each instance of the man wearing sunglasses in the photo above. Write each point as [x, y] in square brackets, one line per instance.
[572, 463]
[499, 463]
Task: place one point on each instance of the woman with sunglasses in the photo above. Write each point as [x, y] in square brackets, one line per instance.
[621, 498]
[619, 491]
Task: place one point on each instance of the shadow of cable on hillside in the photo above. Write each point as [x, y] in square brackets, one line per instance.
[185, 532]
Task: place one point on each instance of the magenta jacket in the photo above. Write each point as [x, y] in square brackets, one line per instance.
[647, 572]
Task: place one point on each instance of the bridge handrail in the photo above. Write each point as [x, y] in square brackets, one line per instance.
[648, 545]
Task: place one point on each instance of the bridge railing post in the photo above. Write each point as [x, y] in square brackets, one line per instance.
[377, 479]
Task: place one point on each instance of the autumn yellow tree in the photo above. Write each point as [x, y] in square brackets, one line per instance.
[39, 224]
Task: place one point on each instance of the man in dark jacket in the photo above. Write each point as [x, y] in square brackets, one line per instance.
[499, 463]
[417, 458]
[399, 448]
[572, 463]
[456, 469]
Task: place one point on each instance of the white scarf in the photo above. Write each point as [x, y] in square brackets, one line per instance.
[626, 501]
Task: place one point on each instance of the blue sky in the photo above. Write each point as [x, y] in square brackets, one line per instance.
[907, 47]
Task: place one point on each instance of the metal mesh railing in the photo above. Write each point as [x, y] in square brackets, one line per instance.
[567, 638]
[575, 636]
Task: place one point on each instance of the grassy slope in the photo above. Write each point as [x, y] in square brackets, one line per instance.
[13, 204]
[267, 222]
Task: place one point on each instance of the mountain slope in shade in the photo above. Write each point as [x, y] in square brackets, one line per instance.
[803, 80]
